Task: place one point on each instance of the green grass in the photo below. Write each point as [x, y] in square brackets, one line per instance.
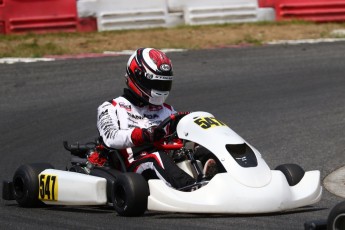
[187, 37]
[33, 48]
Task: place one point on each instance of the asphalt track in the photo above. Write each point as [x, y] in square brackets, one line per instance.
[287, 101]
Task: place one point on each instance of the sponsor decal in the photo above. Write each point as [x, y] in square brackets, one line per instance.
[151, 116]
[105, 123]
[244, 159]
[158, 77]
[48, 187]
[155, 107]
[208, 122]
[125, 106]
[138, 117]
[165, 67]
[103, 113]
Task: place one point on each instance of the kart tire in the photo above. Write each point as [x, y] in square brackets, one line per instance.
[26, 185]
[293, 173]
[336, 218]
[130, 194]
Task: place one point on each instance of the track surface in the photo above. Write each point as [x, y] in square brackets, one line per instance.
[287, 101]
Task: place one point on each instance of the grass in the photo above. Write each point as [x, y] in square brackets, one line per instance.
[186, 37]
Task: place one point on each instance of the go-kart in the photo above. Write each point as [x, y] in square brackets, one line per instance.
[244, 183]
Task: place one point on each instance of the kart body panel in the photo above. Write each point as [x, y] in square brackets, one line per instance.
[224, 194]
[71, 188]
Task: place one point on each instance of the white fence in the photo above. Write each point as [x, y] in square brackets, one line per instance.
[125, 14]
[138, 14]
[198, 12]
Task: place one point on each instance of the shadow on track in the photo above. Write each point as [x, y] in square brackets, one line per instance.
[166, 215]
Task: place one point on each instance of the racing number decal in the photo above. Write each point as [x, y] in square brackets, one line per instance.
[208, 122]
[48, 187]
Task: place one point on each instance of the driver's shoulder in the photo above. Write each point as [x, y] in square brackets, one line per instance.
[109, 104]
[116, 101]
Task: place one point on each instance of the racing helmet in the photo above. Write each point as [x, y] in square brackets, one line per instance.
[149, 75]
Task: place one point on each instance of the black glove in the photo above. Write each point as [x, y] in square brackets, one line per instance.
[152, 134]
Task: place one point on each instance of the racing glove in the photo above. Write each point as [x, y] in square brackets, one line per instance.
[146, 136]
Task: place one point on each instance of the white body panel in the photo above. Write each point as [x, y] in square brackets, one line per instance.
[77, 189]
[224, 194]
[239, 190]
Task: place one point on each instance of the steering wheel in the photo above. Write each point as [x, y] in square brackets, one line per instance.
[168, 121]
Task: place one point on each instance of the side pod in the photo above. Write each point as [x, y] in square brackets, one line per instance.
[69, 188]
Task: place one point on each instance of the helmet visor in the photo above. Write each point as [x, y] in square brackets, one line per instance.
[157, 82]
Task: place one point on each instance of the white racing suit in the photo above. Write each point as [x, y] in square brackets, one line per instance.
[116, 120]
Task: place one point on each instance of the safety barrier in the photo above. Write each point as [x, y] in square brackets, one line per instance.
[87, 24]
[22, 16]
[2, 27]
[2, 21]
[87, 8]
[266, 3]
[131, 14]
[198, 12]
[311, 10]
[176, 5]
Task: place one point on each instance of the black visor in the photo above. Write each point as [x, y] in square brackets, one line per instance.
[160, 85]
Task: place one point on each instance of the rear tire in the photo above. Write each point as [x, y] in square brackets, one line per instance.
[336, 218]
[293, 173]
[130, 194]
[25, 183]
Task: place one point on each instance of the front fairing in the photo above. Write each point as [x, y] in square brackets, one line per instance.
[247, 168]
[224, 194]
[243, 188]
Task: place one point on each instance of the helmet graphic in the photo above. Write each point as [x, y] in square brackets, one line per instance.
[149, 75]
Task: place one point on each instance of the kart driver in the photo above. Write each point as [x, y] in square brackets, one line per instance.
[129, 122]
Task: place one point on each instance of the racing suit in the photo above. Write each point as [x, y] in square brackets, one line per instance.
[116, 121]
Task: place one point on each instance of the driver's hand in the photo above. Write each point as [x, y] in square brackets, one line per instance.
[146, 136]
[153, 134]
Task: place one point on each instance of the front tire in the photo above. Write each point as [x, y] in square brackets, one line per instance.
[26, 184]
[293, 173]
[336, 218]
[130, 194]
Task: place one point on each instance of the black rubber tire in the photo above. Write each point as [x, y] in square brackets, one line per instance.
[110, 175]
[26, 185]
[336, 218]
[293, 173]
[130, 194]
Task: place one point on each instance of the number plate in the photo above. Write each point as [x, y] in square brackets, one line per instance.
[48, 187]
[208, 122]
